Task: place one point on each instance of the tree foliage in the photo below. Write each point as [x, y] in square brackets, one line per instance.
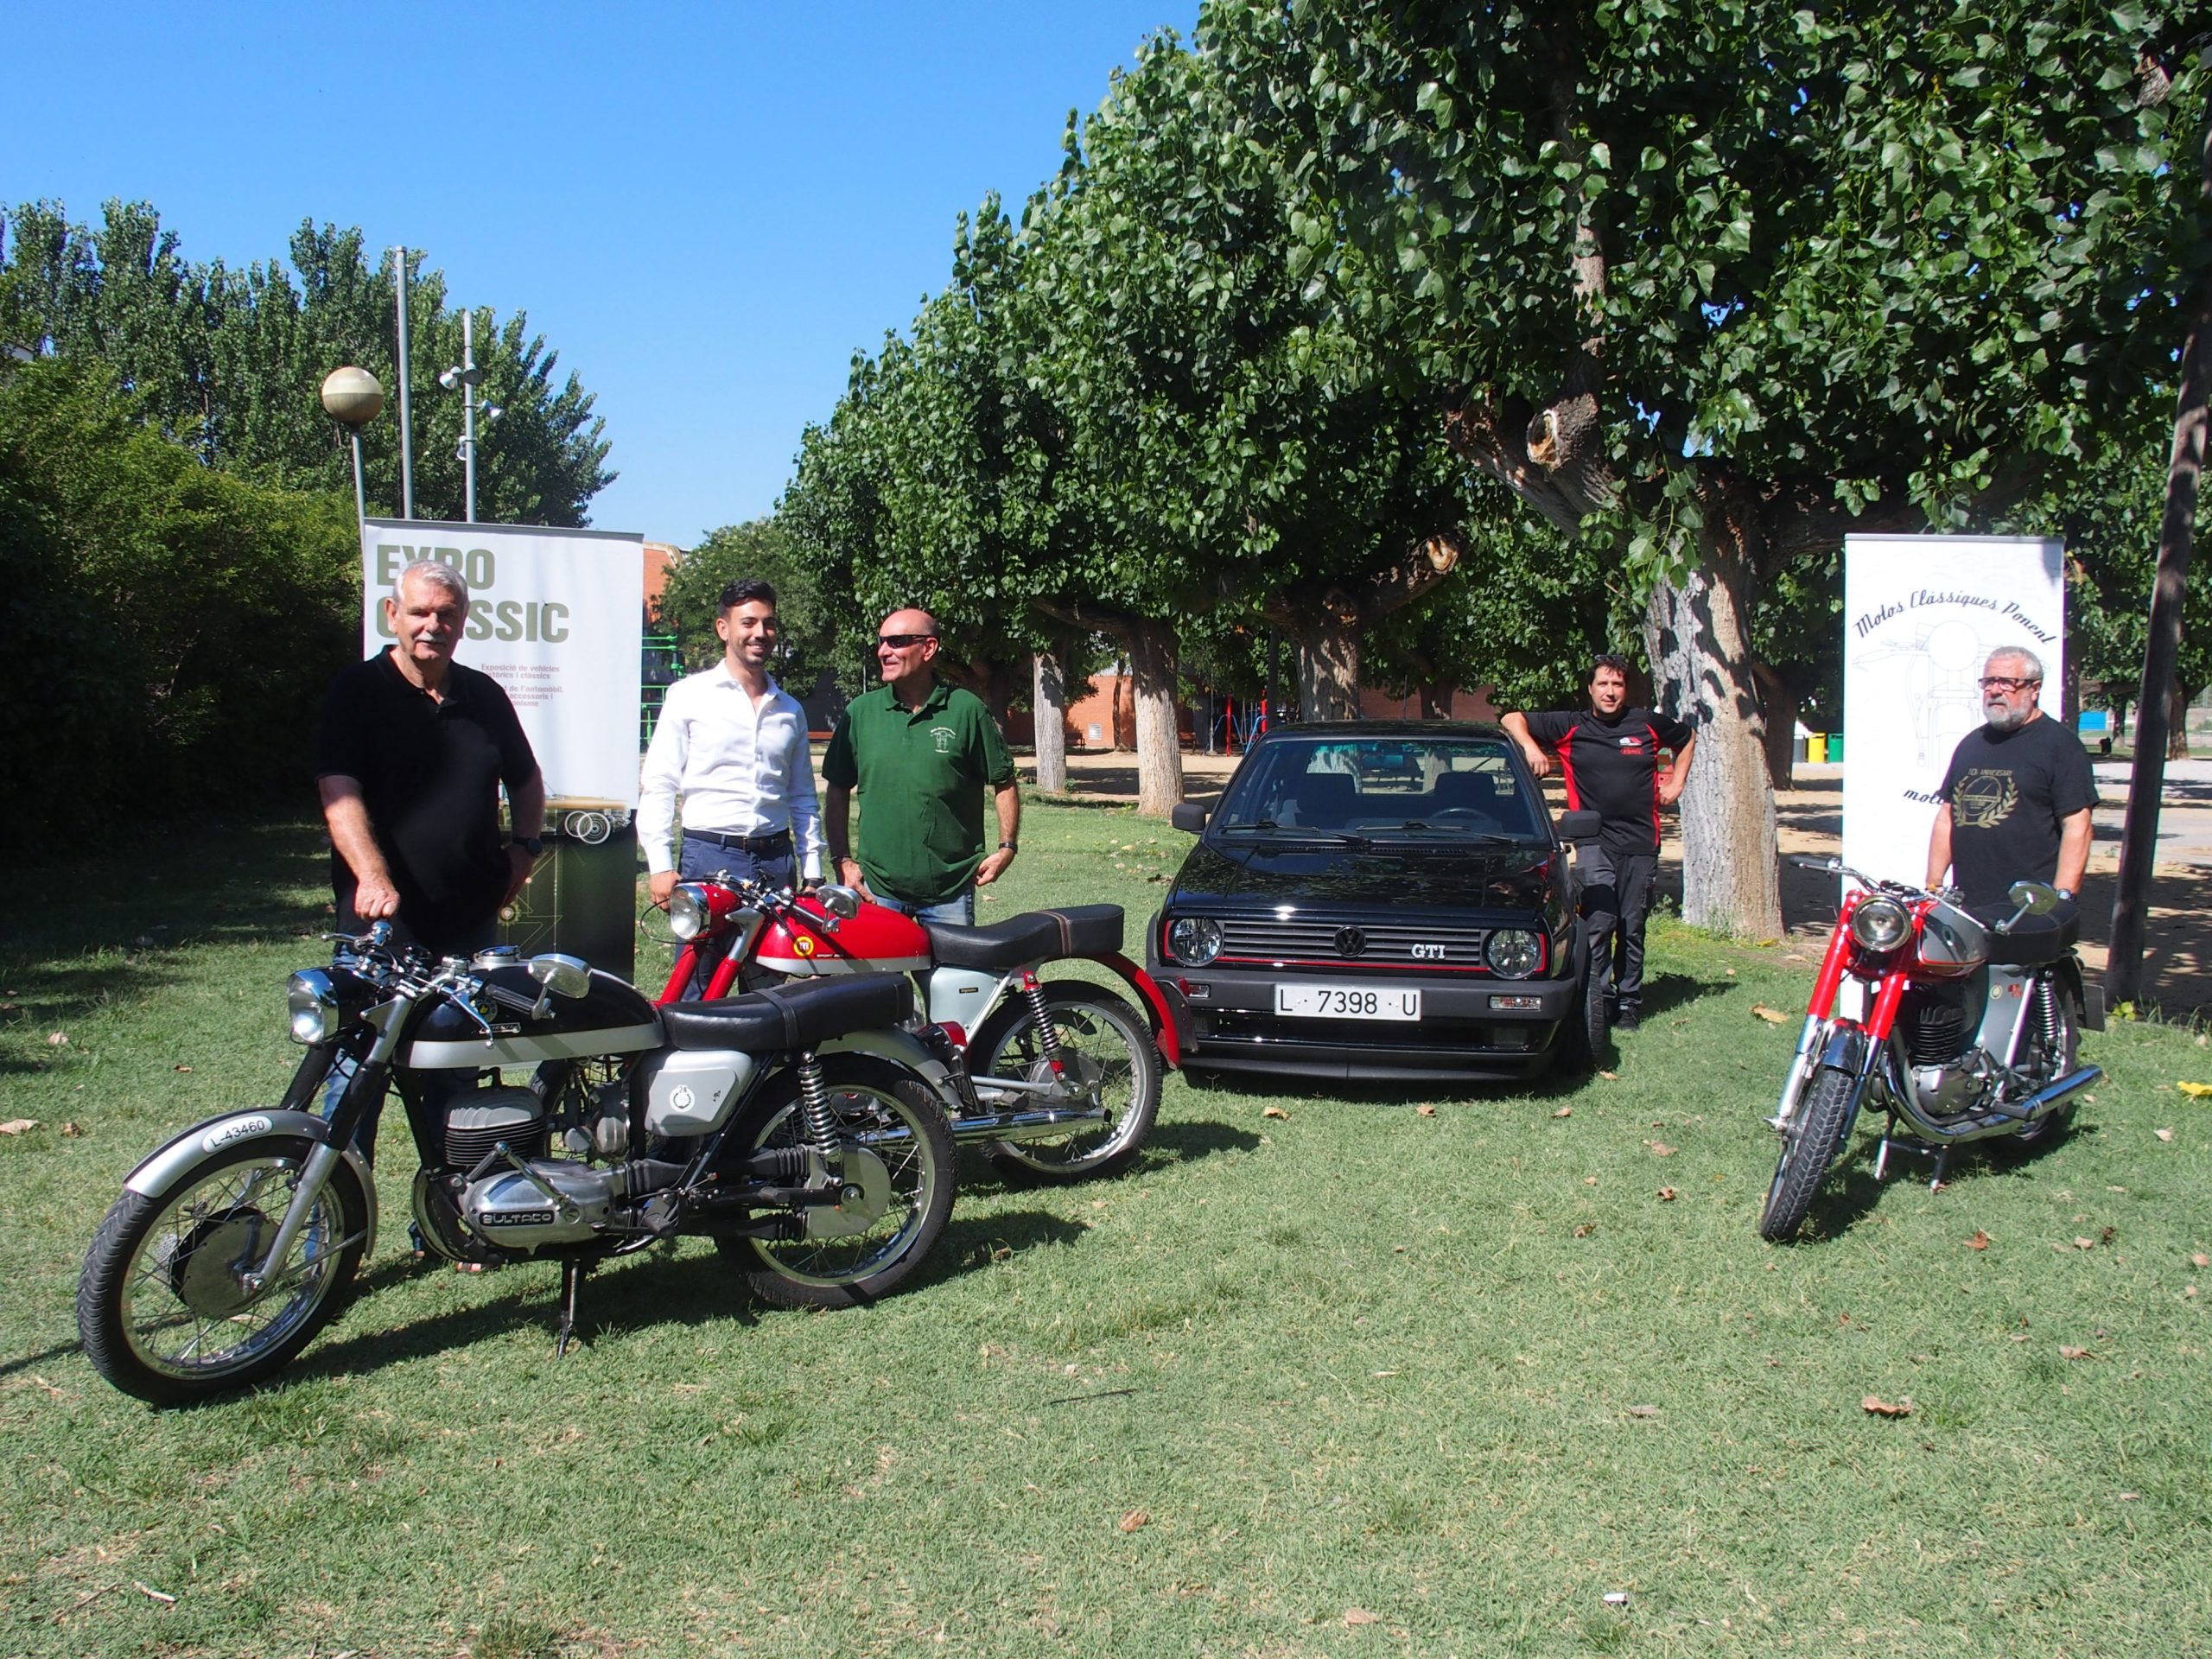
[816, 627]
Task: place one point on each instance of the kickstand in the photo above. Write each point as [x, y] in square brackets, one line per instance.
[1941, 1154]
[572, 1273]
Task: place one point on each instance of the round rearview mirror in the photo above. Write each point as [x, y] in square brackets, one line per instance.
[842, 902]
[562, 975]
[2036, 898]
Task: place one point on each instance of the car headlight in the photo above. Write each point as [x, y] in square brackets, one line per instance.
[311, 1007]
[687, 911]
[1514, 952]
[1880, 925]
[1194, 941]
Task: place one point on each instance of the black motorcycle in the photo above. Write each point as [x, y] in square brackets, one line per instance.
[799, 1127]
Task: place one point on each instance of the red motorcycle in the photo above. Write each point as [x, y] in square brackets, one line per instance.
[1058, 1079]
[1961, 1030]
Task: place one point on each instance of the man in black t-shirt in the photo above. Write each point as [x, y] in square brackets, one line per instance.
[2017, 797]
[1609, 761]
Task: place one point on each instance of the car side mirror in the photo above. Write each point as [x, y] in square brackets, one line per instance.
[842, 902]
[569, 976]
[1582, 825]
[1189, 817]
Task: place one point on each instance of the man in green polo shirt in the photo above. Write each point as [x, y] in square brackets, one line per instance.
[921, 752]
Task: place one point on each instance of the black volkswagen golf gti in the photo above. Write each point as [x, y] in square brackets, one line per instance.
[1379, 901]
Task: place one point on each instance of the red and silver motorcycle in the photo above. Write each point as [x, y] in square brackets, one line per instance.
[1960, 1030]
[1059, 1078]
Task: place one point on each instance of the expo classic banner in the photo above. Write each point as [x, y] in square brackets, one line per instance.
[1922, 614]
[556, 616]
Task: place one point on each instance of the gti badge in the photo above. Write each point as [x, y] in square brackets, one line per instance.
[1352, 941]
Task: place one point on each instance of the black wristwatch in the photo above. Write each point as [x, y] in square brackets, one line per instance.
[534, 845]
[1009, 846]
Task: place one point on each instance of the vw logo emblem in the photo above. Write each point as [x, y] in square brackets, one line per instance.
[1350, 942]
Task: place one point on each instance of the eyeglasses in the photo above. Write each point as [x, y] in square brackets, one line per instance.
[902, 641]
[1998, 682]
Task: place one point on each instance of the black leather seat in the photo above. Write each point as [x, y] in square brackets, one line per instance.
[2035, 940]
[1033, 936]
[790, 1016]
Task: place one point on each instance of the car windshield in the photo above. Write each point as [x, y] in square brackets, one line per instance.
[1374, 789]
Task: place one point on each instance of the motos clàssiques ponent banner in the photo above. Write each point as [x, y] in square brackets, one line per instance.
[556, 616]
[1921, 614]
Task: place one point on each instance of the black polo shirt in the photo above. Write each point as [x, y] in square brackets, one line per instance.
[1612, 765]
[2008, 792]
[429, 771]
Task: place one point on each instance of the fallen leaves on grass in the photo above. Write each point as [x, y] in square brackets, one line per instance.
[1134, 1519]
[1564, 1111]
[2066, 1351]
[1425, 1109]
[2200, 1260]
[2080, 1244]
[1874, 1405]
[1583, 1230]
[1660, 1148]
[152, 1594]
[1274, 1111]
[1978, 1242]
[60, 1039]
[1772, 1016]
[1610, 1077]
[18, 1126]
[2195, 1090]
[1666, 1195]
[71, 1131]
[1361, 1616]
[179, 1068]
[1643, 1411]
[2164, 1135]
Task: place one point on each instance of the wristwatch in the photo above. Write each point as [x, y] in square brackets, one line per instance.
[1009, 846]
[2065, 893]
[534, 845]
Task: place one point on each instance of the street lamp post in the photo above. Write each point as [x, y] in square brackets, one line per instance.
[469, 376]
[352, 398]
[406, 426]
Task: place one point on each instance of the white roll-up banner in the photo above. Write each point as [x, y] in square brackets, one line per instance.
[556, 616]
[1922, 614]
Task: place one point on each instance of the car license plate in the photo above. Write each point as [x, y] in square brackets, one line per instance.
[1346, 1002]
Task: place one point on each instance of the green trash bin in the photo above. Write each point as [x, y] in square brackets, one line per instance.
[583, 898]
[1835, 748]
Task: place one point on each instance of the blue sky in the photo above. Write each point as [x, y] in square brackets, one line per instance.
[705, 209]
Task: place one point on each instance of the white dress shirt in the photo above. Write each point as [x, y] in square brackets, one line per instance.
[742, 769]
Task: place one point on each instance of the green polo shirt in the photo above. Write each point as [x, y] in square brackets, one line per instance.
[921, 773]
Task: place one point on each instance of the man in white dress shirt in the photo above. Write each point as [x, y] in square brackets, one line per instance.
[733, 744]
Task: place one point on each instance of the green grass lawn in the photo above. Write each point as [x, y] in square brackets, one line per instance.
[1318, 1377]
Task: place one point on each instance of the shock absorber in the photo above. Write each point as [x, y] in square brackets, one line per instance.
[1048, 1039]
[2054, 1028]
[814, 1104]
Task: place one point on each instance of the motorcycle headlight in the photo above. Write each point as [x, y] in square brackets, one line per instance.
[1514, 952]
[1194, 941]
[1880, 925]
[311, 1007]
[687, 911]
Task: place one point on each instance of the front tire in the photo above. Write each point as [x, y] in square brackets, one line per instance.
[1807, 1143]
[1110, 1047]
[881, 1111]
[1588, 1029]
[159, 1307]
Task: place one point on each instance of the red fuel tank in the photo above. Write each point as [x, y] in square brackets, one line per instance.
[807, 940]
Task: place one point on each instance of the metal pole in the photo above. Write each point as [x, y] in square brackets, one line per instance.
[2139, 834]
[468, 406]
[406, 426]
[360, 499]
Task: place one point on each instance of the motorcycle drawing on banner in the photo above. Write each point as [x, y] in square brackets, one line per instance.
[1058, 1079]
[1961, 1030]
[801, 1129]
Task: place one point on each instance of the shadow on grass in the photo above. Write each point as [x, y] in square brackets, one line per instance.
[1168, 1144]
[1668, 992]
[979, 1241]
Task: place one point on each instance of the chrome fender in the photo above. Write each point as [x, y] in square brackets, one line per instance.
[904, 1050]
[163, 1168]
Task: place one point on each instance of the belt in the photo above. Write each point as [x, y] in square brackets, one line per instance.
[757, 845]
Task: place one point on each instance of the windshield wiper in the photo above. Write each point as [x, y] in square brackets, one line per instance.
[1294, 832]
[1489, 837]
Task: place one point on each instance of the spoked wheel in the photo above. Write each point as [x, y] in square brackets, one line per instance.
[1809, 1141]
[1108, 1047]
[898, 1164]
[161, 1306]
[2047, 1061]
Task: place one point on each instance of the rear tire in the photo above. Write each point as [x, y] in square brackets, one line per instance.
[1111, 1045]
[159, 1307]
[1807, 1144]
[880, 1109]
[2048, 1067]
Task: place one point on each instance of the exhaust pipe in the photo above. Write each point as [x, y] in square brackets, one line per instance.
[1045, 1125]
[2003, 1120]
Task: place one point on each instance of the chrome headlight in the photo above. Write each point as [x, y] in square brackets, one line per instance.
[1194, 941]
[687, 911]
[1880, 925]
[311, 1007]
[1514, 952]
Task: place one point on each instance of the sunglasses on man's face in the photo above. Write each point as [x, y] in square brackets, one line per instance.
[902, 641]
[1999, 682]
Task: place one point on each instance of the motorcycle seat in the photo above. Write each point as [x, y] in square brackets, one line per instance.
[1033, 936]
[2037, 939]
[784, 1017]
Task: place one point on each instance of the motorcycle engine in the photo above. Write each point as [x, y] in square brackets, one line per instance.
[488, 1116]
[515, 1212]
[1938, 1025]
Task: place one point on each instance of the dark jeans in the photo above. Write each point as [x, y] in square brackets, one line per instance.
[701, 858]
[959, 910]
[438, 1087]
[1616, 900]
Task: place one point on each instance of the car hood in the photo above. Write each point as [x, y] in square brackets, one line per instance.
[1452, 875]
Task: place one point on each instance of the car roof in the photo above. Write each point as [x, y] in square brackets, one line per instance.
[1329, 729]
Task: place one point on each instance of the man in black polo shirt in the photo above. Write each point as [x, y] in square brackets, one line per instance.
[1609, 759]
[2017, 797]
[410, 756]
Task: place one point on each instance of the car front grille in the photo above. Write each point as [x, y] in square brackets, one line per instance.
[1389, 944]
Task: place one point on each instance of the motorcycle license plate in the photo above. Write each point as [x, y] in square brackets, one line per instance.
[1851, 1001]
[1347, 1002]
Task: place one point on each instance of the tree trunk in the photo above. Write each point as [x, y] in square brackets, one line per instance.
[1159, 750]
[2178, 722]
[1701, 661]
[1435, 700]
[1778, 706]
[1328, 668]
[1049, 705]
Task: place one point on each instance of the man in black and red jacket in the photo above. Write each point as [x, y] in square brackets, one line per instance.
[1609, 759]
